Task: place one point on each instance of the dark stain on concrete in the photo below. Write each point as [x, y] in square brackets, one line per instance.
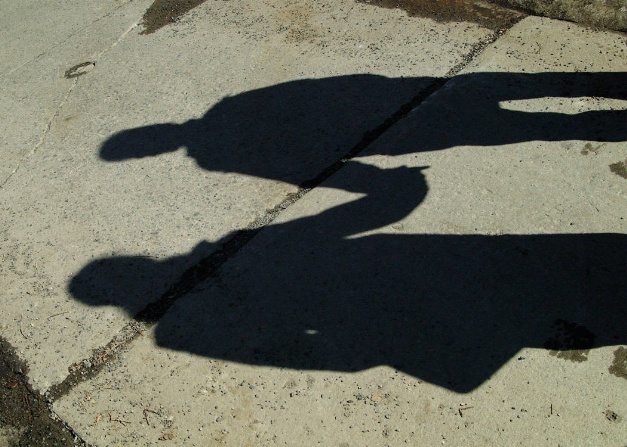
[164, 12]
[79, 69]
[619, 365]
[619, 168]
[570, 342]
[481, 12]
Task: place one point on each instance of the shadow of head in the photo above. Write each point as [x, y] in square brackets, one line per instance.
[141, 142]
[132, 282]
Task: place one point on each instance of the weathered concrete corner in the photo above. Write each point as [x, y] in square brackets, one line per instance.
[610, 14]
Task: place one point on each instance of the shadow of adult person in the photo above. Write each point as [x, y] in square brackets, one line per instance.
[288, 132]
[292, 131]
[316, 293]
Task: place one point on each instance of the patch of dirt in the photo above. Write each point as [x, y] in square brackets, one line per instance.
[164, 12]
[23, 412]
[476, 11]
[619, 168]
[619, 365]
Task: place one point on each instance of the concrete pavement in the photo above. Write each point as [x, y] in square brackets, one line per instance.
[454, 273]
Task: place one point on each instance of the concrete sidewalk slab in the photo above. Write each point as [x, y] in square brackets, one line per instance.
[40, 42]
[461, 283]
[232, 82]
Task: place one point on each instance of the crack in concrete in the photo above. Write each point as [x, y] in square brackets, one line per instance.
[207, 267]
[42, 138]
[119, 39]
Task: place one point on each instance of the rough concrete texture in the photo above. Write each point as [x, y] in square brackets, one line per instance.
[97, 174]
[461, 283]
[8, 436]
[35, 53]
[611, 14]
